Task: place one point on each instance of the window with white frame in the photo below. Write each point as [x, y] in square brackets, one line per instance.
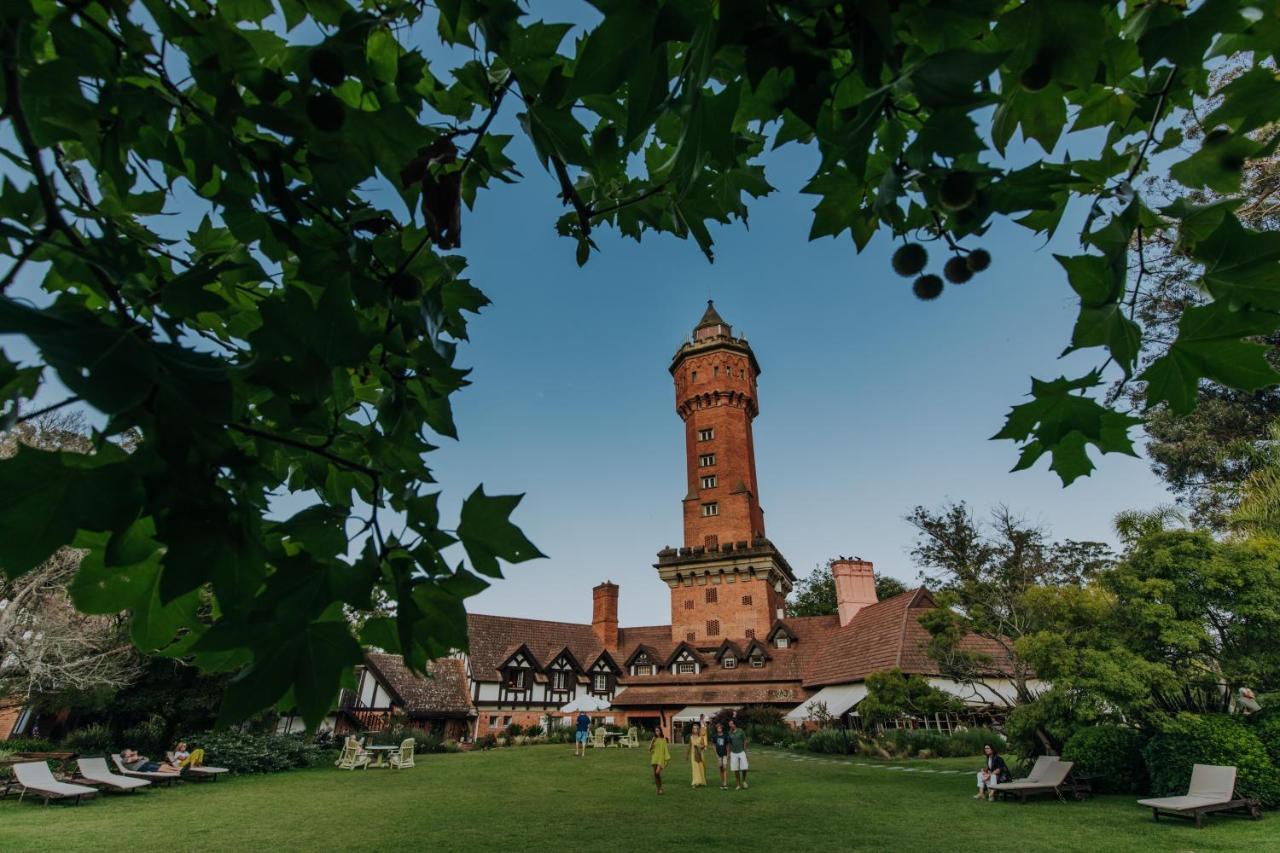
[709, 481]
[687, 668]
[710, 509]
[706, 460]
[601, 682]
[559, 680]
[706, 434]
[729, 662]
[782, 641]
[757, 661]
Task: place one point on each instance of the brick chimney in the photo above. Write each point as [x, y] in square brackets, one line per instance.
[604, 614]
[855, 586]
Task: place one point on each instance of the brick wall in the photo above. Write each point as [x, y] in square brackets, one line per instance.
[717, 391]
[691, 610]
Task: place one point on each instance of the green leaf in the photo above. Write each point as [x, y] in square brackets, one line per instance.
[950, 79]
[1062, 422]
[1210, 346]
[382, 52]
[51, 495]
[613, 50]
[1041, 115]
[488, 534]
[1241, 266]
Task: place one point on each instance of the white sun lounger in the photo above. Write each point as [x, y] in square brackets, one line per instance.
[159, 778]
[96, 771]
[1212, 789]
[36, 778]
[1054, 777]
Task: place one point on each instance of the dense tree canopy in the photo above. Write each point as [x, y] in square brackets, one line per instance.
[192, 184]
[816, 594]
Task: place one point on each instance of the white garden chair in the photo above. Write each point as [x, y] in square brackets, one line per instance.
[403, 758]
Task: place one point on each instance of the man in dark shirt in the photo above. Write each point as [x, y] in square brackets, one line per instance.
[738, 754]
[580, 736]
[720, 741]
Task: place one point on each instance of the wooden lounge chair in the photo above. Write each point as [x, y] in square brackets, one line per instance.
[597, 738]
[1212, 789]
[36, 778]
[196, 771]
[352, 757]
[632, 740]
[1054, 777]
[96, 772]
[156, 777]
[403, 758]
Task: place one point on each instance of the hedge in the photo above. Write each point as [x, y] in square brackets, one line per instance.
[1211, 739]
[1114, 754]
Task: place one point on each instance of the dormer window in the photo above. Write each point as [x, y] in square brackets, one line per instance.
[729, 662]
[782, 641]
[559, 680]
[600, 682]
[757, 662]
[688, 668]
[517, 679]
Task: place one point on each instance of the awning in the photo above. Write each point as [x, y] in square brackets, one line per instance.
[838, 698]
[693, 713]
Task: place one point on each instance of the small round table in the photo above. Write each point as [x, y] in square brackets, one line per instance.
[380, 754]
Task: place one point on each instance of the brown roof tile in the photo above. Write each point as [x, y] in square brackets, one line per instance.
[443, 693]
[637, 695]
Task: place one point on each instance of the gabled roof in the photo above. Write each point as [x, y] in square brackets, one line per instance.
[680, 648]
[443, 693]
[756, 645]
[728, 646]
[608, 659]
[568, 655]
[528, 653]
[643, 648]
[779, 627]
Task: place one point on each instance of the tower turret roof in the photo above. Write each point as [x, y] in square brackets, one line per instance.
[711, 317]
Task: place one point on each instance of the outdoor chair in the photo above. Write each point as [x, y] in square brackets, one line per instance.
[352, 757]
[403, 758]
[633, 738]
[597, 738]
[36, 778]
[96, 772]
[1042, 765]
[1212, 789]
[156, 776]
[1054, 777]
[197, 771]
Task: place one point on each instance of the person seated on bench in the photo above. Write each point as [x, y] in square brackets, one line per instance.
[992, 774]
[141, 764]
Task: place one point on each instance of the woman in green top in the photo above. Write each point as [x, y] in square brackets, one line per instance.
[659, 756]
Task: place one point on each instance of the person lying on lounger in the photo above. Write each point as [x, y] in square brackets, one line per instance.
[184, 757]
[141, 764]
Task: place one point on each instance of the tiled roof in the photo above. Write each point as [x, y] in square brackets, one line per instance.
[445, 692]
[882, 636]
[638, 695]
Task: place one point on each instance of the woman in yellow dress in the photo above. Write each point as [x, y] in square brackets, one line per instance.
[659, 756]
[697, 748]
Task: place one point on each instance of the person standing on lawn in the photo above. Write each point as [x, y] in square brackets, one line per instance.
[738, 754]
[659, 756]
[697, 748]
[721, 743]
[581, 734]
[992, 774]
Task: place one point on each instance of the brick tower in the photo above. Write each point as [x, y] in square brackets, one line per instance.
[728, 581]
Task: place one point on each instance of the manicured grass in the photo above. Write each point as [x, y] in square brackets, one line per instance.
[542, 798]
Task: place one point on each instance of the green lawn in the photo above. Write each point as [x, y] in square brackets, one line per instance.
[542, 798]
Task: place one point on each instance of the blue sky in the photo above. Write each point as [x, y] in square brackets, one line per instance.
[871, 401]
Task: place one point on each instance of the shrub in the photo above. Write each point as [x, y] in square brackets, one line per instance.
[1113, 753]
[1211, 739]
[971, 741]
[28, 744]
[95, 739]
[832, 741]
[449, 746]
[246, 752]
[514, 729]
[486, 742]
[147, 737]
[534, 731]
[770, 734]
[1267, 727]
